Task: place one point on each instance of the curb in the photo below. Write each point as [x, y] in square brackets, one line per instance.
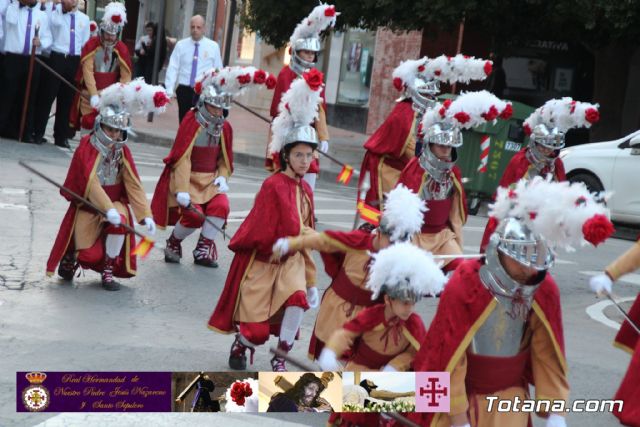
[244, 159]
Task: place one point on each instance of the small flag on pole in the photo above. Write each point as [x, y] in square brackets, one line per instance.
[369, 214]
[143, 248]
[345, 175]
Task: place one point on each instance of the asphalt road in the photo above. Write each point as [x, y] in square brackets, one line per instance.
[157, 321]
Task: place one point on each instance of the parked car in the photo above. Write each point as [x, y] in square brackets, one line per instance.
[610, 166]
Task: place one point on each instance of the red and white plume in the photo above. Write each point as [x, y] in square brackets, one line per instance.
[564, 214]
[320, 18]
[446, 69]
[298, 107]
[468, 110]
[115, 13]
[137, 97]
[242, 396]
[236, 80]
[564, 113]
[458, 69]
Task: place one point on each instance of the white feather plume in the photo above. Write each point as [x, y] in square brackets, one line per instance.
[466, 68]
[556, 211]
[114, 9]
[404, 212]
[468, 110]
[564, 113]
[408, 70]
[315, 23]
[137, 97]
[251, 402]
[233, 80]
[400, 262]
[298, 107]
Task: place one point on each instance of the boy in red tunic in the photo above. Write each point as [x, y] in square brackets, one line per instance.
[346, 256]
[104, 60]
[103, 171]
[546, 128]
[394, 143]
[435, 177]
[305, 47]
[628, 338]
[386, 336]
[498, 327]
[191, 192]
[263, 295]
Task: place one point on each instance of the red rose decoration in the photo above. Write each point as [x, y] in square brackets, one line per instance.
[442, 111]
[271, 82]
[597, 229]
[488, 67]
[244, 79]
[573, 107]
[198, 88]
[138, 88]
[421, 68]
[512, 194]
[330, 11]
[447, 103]
[462, 117]
[592, 115]
[492, 114]
[93, 26]
[116, 19]
[532, 215]
[222, 82]
[397, 83]
[259, 77]
[160, 99]
[240, 391]
[437, 72]
[314, 78]
[507, 112]
[527, 129]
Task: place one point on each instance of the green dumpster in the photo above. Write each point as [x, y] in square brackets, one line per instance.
[486, 152]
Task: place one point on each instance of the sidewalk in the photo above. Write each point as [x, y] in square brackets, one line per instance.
[250, 139]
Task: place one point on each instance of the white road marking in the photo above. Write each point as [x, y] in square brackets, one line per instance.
[632, 278]
[596, 312]
[12, 206]
[13, 191]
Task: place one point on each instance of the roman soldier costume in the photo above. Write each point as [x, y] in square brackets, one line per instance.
[102, 63]
[103, 171]
[546, 128]
[191, 192]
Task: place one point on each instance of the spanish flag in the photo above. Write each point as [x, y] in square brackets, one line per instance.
[345, 175]
[369, 214]
[143, 248]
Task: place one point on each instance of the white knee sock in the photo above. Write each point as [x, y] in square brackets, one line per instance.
[181, 232]
[208, 230]
[113, 244]
[291, 322]
[311, 179]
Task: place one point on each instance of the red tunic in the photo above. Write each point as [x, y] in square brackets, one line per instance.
[517, 169]
[275, 204]
[413, 177]
[81, 170]
[464, 305]
[184, 142]
[102, 79]
[388, 140]
[285, 78]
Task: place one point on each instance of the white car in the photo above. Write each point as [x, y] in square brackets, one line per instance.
[611, 166]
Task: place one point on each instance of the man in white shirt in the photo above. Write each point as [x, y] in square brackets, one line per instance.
[3, 10]
[25, 26]
[70, 31]
[190, 59]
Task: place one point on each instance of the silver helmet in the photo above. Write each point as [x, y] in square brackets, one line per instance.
[304, 133]
[110, 28]
[514, 239]
[423, 93]
[212, 95]
[114, 116]
[547, 137]
[299, 65]
[402, 291]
